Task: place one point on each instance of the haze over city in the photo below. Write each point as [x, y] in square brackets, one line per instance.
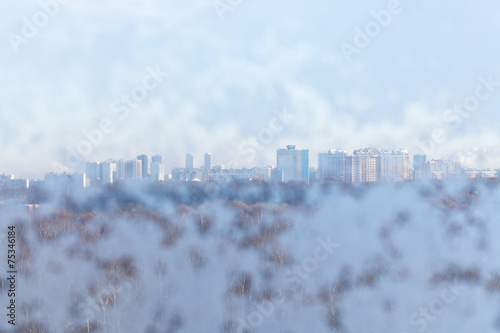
[383, 74]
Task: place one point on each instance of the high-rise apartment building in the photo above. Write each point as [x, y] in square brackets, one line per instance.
[261, 173]
[365, 165]
[119, 172]
[107, 171]
[157, 171]
[393, 165]
[93, 171]
[335, 164]
[294, 163]
[208, 162]
[372, 164]
[133, 169]
[439, 169]
[158, 159]
[158, 168]
[146, 165]
[189, 161]
[419, 166]
[277, 175]
[304, 168]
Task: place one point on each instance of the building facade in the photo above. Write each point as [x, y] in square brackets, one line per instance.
[335, 164]
[394, 165]
[189, 161]
[365, 165]
[207, 162]
[146, 165]
[133, 169]
[294, 163]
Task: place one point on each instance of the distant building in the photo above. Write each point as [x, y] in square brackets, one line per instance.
[277, 175]
[119, 171]
[158, 158]
[146, 165]
[489, 173]
[189, 161]
[313, 174]
[133, 169]
[218, 167]
[440, 169]
[10, 182]
[157, 171]
[262, 173]
[472, 173]
[208, 162]
[335, 164]
[93, 171]
[294, 163]
[304, 160]
[107, 171]
[365, 165]
[393, 165]
[67, 180]
[185, 174]
[158, 168]
[236, 174]
[480, 173]
[419, 166]
[6, 176]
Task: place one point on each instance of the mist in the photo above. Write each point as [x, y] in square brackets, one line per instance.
[258, 257]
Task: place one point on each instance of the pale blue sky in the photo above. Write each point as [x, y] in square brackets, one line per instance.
[228, 77]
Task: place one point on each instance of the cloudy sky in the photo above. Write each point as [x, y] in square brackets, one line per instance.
[244, 79]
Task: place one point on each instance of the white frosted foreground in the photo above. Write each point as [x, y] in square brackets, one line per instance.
[415, 257]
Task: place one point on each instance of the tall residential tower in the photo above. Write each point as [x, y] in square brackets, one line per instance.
[294, 163]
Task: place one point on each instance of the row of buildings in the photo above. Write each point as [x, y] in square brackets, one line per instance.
[143, 167]
[364, 165]
[11, 182]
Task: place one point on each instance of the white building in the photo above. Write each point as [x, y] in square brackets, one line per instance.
[394, 165]
[335, 164]
[262, 173]
[119, 172]
[107, 171]
[146, 166]
[157, 171]
[158, 158]
[208, 162]
[294, 163]
[189, 161]
[488, 173]
[365, 165]
[439, 169]
[472, 173]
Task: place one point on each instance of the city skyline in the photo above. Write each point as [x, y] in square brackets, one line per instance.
[363, 165]
[476, 158]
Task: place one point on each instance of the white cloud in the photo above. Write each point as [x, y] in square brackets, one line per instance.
[228, 76]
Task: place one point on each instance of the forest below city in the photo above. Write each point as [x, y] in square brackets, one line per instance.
[257, 257]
